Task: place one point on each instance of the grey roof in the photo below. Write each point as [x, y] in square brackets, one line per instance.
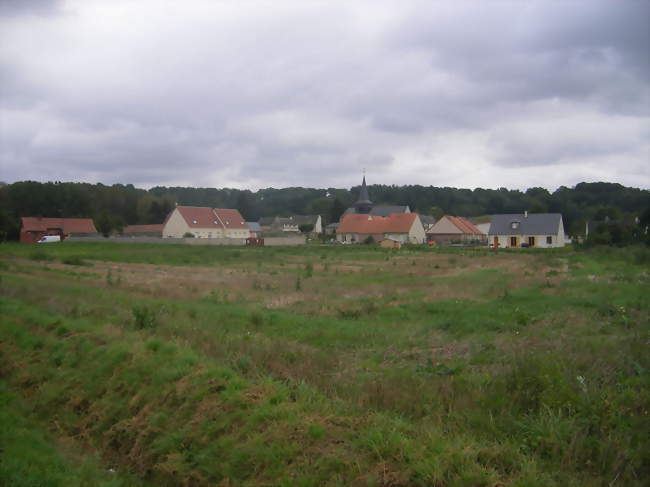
[266, 220]
[427, 219]
[332, 225]
[364, 198]
[254, 226]
[381, 210]
[533, 224]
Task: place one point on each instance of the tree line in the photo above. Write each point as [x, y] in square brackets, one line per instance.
[113, 207]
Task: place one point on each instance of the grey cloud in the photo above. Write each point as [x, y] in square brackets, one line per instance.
[310, 94]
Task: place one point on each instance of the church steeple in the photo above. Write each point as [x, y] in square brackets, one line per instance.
[363, 204]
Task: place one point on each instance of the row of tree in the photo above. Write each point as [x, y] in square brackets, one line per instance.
[114, 206]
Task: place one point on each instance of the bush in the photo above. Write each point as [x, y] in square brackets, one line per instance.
[74, 260]
[188, 235]
[144, 317]
[40, 255]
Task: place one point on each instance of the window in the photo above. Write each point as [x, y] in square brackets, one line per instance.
[549, 240]
[531, 241]
[514, 225]
[513, 241]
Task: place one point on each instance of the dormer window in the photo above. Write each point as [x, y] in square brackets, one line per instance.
[195, 222]
[216, 222]
[514, 225]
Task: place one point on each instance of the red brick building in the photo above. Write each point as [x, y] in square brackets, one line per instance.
[33, 228]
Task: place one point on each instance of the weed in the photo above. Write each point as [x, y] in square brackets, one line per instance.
[298, 285]
[75, 260]
[144, 317]
[309, 270]
[40, 255]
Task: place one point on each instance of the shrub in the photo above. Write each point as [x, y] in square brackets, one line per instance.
[74, 260]
[40, 255]
[309, 269]
[144, 317]
[188, 235]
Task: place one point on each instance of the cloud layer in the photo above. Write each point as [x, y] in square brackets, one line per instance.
[257, 94]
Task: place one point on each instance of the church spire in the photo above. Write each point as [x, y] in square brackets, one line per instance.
[363, 204]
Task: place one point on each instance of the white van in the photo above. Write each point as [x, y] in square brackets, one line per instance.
[49, 239]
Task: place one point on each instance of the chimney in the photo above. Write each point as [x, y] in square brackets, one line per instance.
[525, 213]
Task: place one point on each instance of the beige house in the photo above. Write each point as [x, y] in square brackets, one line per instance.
[455, 230]
[400, 227]
[204, 222]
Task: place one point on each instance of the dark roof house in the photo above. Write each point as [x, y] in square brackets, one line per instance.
[527, 230]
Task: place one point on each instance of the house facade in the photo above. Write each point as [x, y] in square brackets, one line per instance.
[291, 224]
[204, 222]
[544, 230]
[33, 228]
[455, 230]
[400, 227]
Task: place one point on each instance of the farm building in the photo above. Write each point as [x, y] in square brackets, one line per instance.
[255, 229]
[33, 228]
[527, 230]
[401, 227]
[455, 230]
[204, 222]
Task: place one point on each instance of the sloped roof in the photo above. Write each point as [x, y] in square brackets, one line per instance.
[155, 228]
[67, 225]
[427, 219]
[199, 217]
[381, 210]
[254, 226]
[464, 225]
[230, 218]
[533, 224]
[204, 217]
[370, 224]
[364, 198]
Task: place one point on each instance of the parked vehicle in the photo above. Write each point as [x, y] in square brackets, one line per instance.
[50, 239]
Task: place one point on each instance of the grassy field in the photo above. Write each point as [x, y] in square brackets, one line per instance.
[136, 364]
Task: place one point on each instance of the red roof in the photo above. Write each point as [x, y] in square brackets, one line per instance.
[371, 224]
[464, 225]
[66, 225]
[231, 218]
[143, 228]
[204, 217]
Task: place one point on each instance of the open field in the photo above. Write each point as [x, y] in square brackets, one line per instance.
[179, 365]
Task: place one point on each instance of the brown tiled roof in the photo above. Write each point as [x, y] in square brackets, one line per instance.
[230, 218]
[464, 225]
[369, 224]
[199, 216]
[143, 228]
[204, 217]
[67, 225]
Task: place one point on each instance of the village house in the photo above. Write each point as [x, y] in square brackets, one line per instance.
[400, 227]
[543, 230]
[204, 222]
[293, 223]
[455, 230]
[33, 228]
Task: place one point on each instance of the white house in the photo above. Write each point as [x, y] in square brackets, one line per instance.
[543, 230]
[204, 222]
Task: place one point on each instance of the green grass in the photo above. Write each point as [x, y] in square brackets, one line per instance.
[424, 367]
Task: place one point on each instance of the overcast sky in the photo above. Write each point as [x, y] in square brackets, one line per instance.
[253, 94]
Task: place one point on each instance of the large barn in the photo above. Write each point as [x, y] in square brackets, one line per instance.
[33, 228]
